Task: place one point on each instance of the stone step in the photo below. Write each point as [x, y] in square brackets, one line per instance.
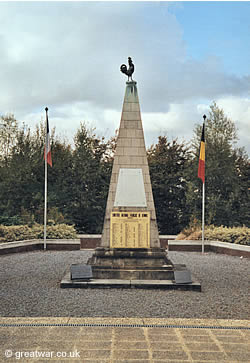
[128, 284]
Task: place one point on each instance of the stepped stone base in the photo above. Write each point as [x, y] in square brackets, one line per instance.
[131, 264]
[132, 274]
[131, 268]
[67, 283]
[124, 257]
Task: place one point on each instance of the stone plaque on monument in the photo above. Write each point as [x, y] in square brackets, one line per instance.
[130, 230]
[130, 191]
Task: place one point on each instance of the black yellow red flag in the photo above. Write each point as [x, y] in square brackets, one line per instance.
[201, 168]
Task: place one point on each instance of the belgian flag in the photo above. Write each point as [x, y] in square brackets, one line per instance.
[201, 168]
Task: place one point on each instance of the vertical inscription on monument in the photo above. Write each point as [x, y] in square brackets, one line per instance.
[129, 230]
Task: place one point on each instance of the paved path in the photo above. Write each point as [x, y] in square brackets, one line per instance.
[124, 340]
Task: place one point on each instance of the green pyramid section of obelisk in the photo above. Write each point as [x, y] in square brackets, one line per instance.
[130, 153]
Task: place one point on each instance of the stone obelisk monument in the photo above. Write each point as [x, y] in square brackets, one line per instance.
[130, 255]
[130, 187]
[130, 246]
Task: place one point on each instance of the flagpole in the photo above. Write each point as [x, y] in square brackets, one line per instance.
[203, 215]
[45, 184]
[203, 208]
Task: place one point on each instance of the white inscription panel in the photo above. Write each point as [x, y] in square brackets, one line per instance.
[130, 191]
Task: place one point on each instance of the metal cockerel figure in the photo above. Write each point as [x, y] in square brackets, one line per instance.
[128, 71]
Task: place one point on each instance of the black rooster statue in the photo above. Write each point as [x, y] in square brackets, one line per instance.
[128, 71]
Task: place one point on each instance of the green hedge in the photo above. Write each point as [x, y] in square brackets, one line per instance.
[240, 235]
[24, 232]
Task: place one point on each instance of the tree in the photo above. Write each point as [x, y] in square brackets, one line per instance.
[239, 202]
[168, 162]
[227, 169]
[91, 174]
[79, 180]
[8, 135]
[22, 178]
[21, 175]
[77, 183]
[60, 179]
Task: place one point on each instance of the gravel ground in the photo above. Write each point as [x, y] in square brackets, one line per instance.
[29, 286]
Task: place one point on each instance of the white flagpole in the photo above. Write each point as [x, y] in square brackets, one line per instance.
[203, 215]
[45, 184]
[203, 205]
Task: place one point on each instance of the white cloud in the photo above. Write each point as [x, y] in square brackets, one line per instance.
[178, 122]
[238, 110]
[66, 55]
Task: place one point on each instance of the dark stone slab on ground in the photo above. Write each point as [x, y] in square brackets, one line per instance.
[81, 272]
[182, 277]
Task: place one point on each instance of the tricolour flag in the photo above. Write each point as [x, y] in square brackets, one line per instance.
[201, 168]
[47, 144]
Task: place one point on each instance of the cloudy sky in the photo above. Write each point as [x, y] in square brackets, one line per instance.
[67, 56]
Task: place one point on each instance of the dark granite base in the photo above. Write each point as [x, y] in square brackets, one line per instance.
[131, 264]
[131, 268]
[147, 273]
[124, 257]
[128, 284]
